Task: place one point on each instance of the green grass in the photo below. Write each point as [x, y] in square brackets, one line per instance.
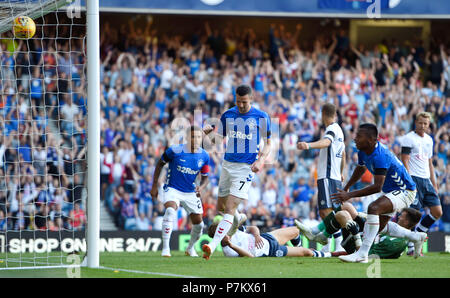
[432, 265]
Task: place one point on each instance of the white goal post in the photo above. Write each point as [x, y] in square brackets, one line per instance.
[50, 117]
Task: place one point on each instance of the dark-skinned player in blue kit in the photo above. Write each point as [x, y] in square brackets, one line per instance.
[390, 177]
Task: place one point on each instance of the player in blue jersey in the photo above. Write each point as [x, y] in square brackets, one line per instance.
[390, 177]
[244, 126]
[185, 161]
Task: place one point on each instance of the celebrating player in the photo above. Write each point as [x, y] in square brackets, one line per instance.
[331, 163]
[244, 125]
[390, 245]
[249, 242]
[185, 162]
[417, 150]
[390, 176]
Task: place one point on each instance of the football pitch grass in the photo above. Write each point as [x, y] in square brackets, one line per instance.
[152, 265]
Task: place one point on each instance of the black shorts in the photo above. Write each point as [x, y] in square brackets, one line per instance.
[426, 194]
[326, 187]
[104, 179]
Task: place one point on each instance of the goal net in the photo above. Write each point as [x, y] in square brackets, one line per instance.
[43, 116]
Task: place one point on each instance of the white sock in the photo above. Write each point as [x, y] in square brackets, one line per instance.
[167, 226]
[395, 230]
[222, 229]
[337, 242]
[234, 227]
[326, 247]
[370, 232]
[196, 232]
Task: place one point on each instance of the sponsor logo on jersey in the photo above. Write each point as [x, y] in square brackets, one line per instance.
[186, 170]
[240, 135]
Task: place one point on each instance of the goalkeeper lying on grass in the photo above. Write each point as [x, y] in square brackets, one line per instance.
[393, 239]
[248, 242]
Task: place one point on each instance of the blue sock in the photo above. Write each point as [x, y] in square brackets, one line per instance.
[426, 222]
[320, 254]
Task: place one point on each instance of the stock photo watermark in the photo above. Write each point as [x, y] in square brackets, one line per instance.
[74, 269]
[374, 10]
[374, 269]
[73, 10]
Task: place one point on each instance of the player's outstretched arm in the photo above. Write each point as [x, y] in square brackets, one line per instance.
[374, 188]
[323, 143]
[356, 175]
[203, 184]
[254, 230]
[262, 156]
[158, 168]
[214, 137]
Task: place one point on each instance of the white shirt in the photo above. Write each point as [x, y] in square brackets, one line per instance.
[166, 78]
[421, 152]
[269, 197]
[69, 111]
[330, 158]
[290, 142]
[104, 169]
[246, 241]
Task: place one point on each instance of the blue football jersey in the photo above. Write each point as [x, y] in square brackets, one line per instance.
[184, 167]
[397, 177]
[244, 132]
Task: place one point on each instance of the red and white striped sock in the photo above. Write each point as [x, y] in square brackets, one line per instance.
[222, 229]
[167, 227]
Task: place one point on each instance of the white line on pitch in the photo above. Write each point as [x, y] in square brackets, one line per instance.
[150, 273]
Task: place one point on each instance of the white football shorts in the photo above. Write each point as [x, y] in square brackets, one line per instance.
[189, 200]
[235, 179]
[400, 199]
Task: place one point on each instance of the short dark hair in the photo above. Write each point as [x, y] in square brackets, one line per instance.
[329, 110]
[243, 90]
[371, 129]
[413, 216]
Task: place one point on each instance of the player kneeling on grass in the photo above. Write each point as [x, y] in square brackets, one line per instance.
[393, 239]
[249, 242]
[186, 161]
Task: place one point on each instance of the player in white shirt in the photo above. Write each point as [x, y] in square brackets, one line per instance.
[417, 153]
[249, 242]
[331, 164]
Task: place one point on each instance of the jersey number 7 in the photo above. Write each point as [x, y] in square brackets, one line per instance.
[243, 182]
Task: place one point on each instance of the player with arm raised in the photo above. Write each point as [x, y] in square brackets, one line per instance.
[185, 161]
[331, 163]
[417, 152]
[390, 177]
[244, 126]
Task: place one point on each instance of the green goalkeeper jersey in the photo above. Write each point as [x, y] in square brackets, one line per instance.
[389, 247]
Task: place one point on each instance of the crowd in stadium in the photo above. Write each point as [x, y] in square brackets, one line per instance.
[150, 79]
